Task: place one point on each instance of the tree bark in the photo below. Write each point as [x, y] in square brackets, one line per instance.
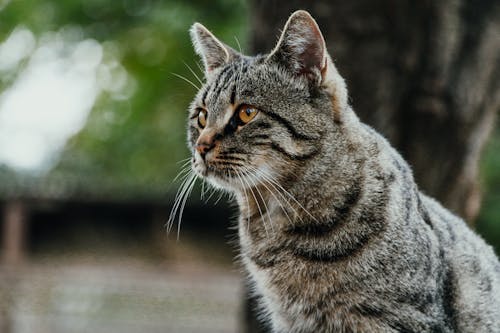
[423, 73]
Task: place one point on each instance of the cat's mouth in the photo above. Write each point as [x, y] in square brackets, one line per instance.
[220, 172]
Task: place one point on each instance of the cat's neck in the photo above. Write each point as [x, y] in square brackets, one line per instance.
[323, 199]
[303, 203]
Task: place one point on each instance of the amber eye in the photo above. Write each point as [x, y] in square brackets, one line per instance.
[247, 113]
[202, 118]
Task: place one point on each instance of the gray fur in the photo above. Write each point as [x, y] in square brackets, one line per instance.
[352, 245]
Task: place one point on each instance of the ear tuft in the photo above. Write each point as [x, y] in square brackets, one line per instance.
[212, 51]
[301, 47]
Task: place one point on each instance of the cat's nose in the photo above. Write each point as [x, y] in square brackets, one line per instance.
[206, 142]
[204, 147]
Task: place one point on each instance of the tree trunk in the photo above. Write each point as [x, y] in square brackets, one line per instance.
[423, 73]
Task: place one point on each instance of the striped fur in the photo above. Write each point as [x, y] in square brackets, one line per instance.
[334, 234]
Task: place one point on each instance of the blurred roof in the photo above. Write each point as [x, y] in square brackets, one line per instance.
[75, 187]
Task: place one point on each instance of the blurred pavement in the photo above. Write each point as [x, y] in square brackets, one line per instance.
[120, 297]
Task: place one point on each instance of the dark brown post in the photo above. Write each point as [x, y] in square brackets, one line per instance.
[14, 230]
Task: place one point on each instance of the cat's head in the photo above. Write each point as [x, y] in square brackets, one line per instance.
[264, 117]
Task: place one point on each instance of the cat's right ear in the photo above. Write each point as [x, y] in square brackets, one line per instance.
[212, 51]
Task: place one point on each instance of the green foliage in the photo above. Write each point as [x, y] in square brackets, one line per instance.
[133, 137]
[488, 223]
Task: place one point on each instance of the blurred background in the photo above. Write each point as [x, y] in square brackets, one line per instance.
[92, 118]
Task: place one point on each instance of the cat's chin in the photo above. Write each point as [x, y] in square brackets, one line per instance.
[227, 184]
[222, 184]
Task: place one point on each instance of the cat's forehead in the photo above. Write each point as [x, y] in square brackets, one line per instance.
[245, 80]
[222, 86]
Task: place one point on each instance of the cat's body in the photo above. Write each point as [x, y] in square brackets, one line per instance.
[383, 258]
[333, 231]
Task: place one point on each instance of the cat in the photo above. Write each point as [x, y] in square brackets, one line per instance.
[333, 232]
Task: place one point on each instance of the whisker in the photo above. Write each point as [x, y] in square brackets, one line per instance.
[289, 194]
[259, 173]
[184, 204]
[220, 197]
[195, 75]
[276, 198]
[187, 80]
[178, 198]
[257, 203]
[264, 202]
[184, 171]
[184, 160]
[246, 198]
[199, 66]
[185, 180]
[173, 211]
[271, 179]
[214, 190]
[238, 42]
[184, 167]
[202, 192]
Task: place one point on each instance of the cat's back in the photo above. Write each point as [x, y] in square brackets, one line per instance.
[471, 287]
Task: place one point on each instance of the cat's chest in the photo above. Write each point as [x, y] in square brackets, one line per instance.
[301, 298]
[290, 288]
[301, 295]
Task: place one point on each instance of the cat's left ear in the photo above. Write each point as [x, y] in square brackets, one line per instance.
[301, 49]
[212, 51]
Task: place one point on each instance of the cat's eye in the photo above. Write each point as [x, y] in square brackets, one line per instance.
[247, 113]
[202, 118]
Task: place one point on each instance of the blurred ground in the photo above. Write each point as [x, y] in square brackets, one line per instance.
[118, 296]
[106, 268]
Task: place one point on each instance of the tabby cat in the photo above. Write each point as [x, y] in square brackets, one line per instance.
[334, 234]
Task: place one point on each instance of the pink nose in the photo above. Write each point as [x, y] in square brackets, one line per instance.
[204, 147]
[205, 143]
